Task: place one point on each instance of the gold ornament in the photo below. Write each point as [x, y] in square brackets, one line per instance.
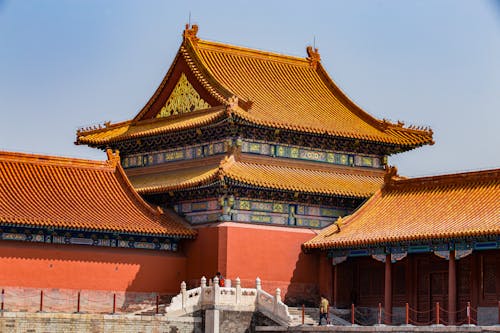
[184, 98]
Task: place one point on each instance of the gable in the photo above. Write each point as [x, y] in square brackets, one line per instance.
[181, 91]
[183, 98]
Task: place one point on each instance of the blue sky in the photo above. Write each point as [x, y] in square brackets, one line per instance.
[66, 64]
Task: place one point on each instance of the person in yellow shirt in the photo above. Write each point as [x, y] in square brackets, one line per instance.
[323, 309]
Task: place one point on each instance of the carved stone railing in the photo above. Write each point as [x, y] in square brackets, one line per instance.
[230, 299]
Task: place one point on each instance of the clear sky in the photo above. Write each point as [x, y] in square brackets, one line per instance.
[66, 64]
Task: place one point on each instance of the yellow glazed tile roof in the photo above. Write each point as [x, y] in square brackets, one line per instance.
[135, 130]
[46, 191]
[287, 92]
[272, 90]
[276, 176]
[449, 206]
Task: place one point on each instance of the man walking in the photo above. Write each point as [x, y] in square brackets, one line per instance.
[323, 309]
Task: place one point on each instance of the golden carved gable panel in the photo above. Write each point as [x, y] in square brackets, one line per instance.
[184, 98]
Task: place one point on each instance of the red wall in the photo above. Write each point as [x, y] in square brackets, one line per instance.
[85, 267]
[325, 277]
[202, 255]
[274, 254]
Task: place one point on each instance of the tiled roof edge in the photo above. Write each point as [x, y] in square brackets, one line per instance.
[57, 160]
[482, 176]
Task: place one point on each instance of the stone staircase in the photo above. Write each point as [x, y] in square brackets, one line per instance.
[311, 317]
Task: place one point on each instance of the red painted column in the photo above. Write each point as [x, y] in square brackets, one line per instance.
[452, 289]
[335, 284]
[388, 290]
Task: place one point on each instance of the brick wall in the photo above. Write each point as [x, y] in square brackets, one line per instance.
[242, 321]
[17, 322]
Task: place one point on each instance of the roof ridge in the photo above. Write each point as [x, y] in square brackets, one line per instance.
[138, 200]
[482, 176]
[114, 159]
[49, 159]
[248, 51]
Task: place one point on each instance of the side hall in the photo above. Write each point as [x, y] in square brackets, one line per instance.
[419, 249]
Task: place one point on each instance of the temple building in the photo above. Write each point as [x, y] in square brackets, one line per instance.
[258, 152]
[419, 241]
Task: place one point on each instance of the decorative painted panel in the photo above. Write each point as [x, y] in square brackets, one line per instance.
[177, 154]
[87, 239]
[258, 211]
[309, 154]
[184, 98]
[260, 218]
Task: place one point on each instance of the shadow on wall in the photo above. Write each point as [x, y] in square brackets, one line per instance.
[303, 287]
[84, 267]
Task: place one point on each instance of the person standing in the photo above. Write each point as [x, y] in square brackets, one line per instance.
[323, 309]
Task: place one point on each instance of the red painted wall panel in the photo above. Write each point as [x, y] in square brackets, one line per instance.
[274, 254]
[202, 255]
[84, 267]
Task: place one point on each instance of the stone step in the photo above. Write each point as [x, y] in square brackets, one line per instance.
[311, 317]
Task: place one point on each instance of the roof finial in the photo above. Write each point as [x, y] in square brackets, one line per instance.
[391, 172]
[190, 31]
[113, 157]
[313, 55]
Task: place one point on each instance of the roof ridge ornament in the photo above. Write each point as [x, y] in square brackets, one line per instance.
[113, 157]
[313, 56]
[391, 173]
[190, 32]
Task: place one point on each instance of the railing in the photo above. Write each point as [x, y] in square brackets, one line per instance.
[436, 314]
[231, 298]
[16, 299]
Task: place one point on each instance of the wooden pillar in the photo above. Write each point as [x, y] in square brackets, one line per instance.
[475, 274]
[334, 285]
[452, 289]
[388, 290]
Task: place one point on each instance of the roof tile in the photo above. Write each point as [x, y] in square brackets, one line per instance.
[44, 191]
[427, 208]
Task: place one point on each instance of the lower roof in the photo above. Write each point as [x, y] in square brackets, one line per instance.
[406, 210]
[67, 193]
[264, 173]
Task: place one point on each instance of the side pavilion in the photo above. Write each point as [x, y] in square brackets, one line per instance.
[419, 241]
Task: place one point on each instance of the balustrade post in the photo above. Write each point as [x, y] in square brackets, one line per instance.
[203, 282]
[352, 313]
[379, 313]
[184, 295]
[277, 300]
[114, 303]
[258, 284]
[157, 304]
[216, 290]
[2, 299]
[238, 290]
[303, 313]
